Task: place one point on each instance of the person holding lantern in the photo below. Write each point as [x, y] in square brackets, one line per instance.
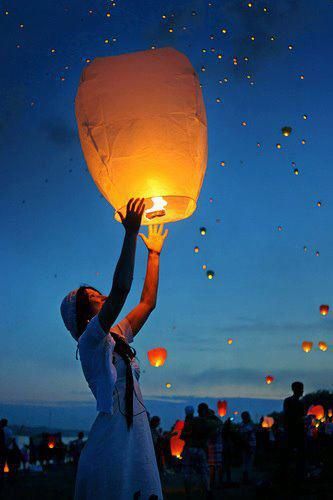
[118, 461]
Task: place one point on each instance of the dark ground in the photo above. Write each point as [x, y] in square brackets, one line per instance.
[58, 484]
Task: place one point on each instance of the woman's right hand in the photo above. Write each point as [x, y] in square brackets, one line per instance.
[134, 211]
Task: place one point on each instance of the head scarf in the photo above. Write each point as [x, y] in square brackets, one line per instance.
[68, 313]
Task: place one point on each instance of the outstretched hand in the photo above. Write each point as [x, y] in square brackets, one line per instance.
[134, 211]
[155, 239]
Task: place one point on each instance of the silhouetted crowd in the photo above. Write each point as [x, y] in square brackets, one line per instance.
[205, 449]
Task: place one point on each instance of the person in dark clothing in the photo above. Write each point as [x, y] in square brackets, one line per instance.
[293, 417]
[227, 450]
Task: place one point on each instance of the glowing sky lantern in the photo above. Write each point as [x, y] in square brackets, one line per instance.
[143, 130]
[269, 379]
[222, 407]
[177, 444]
[267, 422]
[210, 275]
[323, 309]
[322, 346]
[317, 411]
[230, 341]
[6, 468]
[286, 131]
[157, 357]
[307, 345]
[203, 231]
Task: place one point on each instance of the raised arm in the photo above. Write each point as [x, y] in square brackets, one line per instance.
[123, 275]
[154, 243]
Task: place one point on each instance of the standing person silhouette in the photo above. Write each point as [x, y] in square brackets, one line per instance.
[118, 461]
[294, 425]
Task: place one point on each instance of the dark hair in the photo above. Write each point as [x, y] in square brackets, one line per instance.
[246, 416]
[83, 310]
[297, 385]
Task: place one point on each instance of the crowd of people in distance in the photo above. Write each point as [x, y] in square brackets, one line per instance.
[297, 445]
[212, 448]
[41, 451]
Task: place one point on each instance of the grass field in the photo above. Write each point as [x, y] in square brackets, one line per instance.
[57, 483]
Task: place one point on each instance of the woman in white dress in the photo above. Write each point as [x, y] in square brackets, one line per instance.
[118, 462]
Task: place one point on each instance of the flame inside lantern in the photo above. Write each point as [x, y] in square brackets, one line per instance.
[157, 210]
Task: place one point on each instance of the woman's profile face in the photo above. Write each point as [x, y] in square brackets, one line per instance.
[96, 300]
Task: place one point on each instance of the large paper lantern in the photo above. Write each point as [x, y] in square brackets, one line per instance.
[177, 444]
[222, 407]
[323, 309]
[157, 356]
[143, 131]
[267, 422]
[317, 411]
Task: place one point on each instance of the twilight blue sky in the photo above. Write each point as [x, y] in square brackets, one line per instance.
[58, 232]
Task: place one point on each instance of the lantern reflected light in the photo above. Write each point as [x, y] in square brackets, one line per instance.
[157, 210]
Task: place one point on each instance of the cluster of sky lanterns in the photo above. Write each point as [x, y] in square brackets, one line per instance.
[307, 346]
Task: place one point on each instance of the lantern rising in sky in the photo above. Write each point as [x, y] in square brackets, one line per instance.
[269, 379]
[323, 309]
[286, 131]
[322, 346]
[222, 407]
[317, 411]
[143, 130]
[177, 444]
[307, 345]
[157, 357]
[267, 422]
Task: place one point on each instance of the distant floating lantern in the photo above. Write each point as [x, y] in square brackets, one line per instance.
[222, 163]
[210, 275]
[303, 141]
[6, 468]
[51, 444]
[330, 413]
[278, 146]
[318, 203]
[252, 38]
[222, 407]
[196, 249]
[204, 266]
[224, 31]
[317, 411]
[177, 444]
[296, 171]
[322, 346]
[218, 100]
[279, 228]
[305, 117]
[307, 346]
[168, 385]
[203, 231]
[244, 124]
[267, 422]
[157, 356]
[286, 131]
[302, 77]
[143, 131]
[230, 341]
[269, 379]
[324, 309]
[317, 253]
[290, 47]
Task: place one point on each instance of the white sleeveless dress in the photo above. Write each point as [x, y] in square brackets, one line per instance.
[117, 463]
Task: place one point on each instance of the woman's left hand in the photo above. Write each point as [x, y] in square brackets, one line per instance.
[155, 239]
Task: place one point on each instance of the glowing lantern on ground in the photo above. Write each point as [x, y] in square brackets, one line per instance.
[222, 408]
[323, 309]
[157, 357]
[177, 444]
[267, 422]
[6, 468]
[143, 131]
[322, 346]
[317, 411]
[286, 131]
[307, 346]
[51, 444]
[269, 379]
